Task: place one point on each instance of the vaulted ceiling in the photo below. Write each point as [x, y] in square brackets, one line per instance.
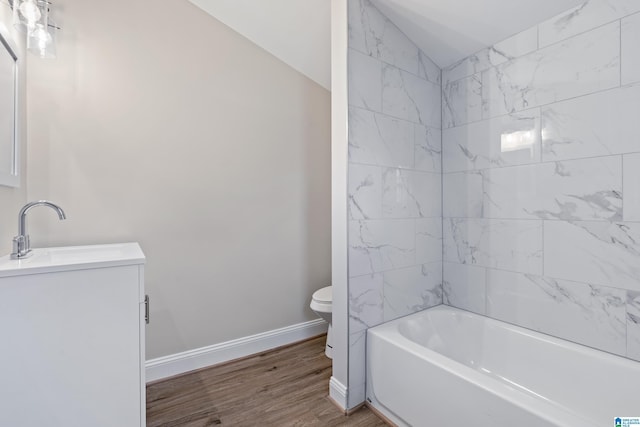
[298, 31]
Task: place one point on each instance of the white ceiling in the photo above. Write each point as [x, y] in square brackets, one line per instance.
[298, 32]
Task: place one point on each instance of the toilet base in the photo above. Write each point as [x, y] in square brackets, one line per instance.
[328, 348]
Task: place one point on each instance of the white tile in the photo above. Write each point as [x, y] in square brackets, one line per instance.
[379, 245]
[357, 392]
[428, 69]
[409, 97]
[502, 141]
[587, 16]
[514, 245]
[396, 49]
[586, 314]
[631, 48]
[633, 325]
[372, 33]
[464, 286]
[411, 194]
[462, 101]
[571, 190]
[515, 46]
[578, 66]
[365, 81]
[366, 23]
[428, 240]
[365, 302]
[357, 364]
[595, 125]
[596, 252]
[428, 149]
[631, 182]
[365, 192]
[468, 66]
[506, 50]
[412, 289]
[377, 139]
[462, 195]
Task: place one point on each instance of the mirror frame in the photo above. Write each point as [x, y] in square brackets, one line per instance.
[12, 179]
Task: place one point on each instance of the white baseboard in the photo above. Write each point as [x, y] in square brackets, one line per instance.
[338, 392]
[179, 363]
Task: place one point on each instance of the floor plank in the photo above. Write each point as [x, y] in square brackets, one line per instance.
[284, 387]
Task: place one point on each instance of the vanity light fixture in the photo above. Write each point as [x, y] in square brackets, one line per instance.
[31, 17]
[25, 15]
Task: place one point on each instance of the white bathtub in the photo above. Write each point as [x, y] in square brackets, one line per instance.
[445, 366]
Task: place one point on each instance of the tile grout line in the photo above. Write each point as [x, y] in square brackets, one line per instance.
[547, 105]
[540, 162]
[571, 281]
[626, 301]
[543, 257]
[538, 46]
[442, 183]
[620, 51]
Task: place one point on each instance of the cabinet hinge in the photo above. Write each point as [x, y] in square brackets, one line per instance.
[146, 309]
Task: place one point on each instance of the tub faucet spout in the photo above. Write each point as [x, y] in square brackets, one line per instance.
[21, 243]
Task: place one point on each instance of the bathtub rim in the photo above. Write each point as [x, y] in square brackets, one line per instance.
[531, 333]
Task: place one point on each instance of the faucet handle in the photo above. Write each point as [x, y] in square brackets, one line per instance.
[20, 245]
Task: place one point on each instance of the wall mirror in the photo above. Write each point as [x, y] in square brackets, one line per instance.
[9, 138]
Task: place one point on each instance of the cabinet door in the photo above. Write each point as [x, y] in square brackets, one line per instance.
[71, 349]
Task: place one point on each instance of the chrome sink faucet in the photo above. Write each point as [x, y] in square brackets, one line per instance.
[21, 243]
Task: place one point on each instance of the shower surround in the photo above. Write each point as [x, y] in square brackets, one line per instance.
[538, 167]
[541, 183]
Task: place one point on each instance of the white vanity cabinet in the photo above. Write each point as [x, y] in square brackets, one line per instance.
[72, 337]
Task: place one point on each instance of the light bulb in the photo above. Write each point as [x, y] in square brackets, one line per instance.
[43, 37]
[30, 11]
[39, 40]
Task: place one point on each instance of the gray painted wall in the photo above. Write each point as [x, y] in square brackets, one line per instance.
[159, 124]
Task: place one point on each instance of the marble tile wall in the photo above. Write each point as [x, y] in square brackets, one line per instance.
[395, 180]
[541, 178]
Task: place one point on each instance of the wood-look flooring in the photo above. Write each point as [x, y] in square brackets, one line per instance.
[284, 387]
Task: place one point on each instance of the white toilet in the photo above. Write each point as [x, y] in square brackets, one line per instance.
[321, 304]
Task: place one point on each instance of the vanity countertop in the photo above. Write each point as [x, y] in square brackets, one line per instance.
[49, 260]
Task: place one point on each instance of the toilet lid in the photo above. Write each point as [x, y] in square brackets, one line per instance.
[323, 295]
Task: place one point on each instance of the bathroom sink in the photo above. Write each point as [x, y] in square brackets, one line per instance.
[45, 260]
